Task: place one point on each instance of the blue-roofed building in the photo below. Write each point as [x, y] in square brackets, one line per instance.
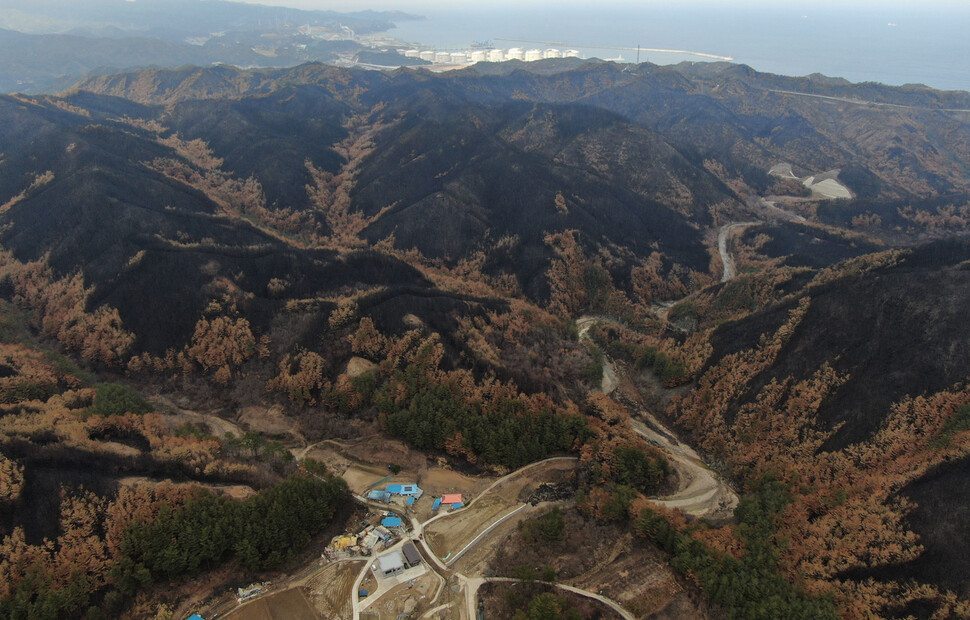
[381, 496]
[456, 506]
[391, 522]
[404, 489]
[437, 504]
[410, 501]
[195, 617]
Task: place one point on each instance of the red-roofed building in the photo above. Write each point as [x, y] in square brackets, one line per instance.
[453, 498]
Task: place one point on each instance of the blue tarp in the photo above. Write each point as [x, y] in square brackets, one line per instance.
[195, 617]
[436, 504]
[391, 522]
[411, 500]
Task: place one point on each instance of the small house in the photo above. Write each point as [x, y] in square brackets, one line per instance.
[454, 499]
[380, 496]
[411, 556]
[404, 489]
[437, 504]
[391, 522]
[383, 534]
[390, 563]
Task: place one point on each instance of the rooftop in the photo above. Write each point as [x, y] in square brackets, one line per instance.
[390, 562]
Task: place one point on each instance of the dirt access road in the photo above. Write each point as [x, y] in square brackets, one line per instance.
[702, 493]
[730, 271]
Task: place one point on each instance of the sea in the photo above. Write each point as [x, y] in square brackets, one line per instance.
[892, 43]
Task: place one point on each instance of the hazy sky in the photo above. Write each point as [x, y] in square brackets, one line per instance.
[416, 6]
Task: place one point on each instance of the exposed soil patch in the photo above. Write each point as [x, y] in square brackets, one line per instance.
[409, 599]
[330, 591]
[289, 605]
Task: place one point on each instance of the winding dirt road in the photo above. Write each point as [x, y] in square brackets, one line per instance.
[730, 271]
[702, 493]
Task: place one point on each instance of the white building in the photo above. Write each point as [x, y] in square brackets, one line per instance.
[515, 53]
[552, 53]
[458, 58]
[390, 563]
[412, 54]
[496, 55]
[479, 56]
[427, 55]
[571, 54]
[442, 58]
[533, 55]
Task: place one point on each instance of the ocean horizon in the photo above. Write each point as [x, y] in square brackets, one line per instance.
[888, 44]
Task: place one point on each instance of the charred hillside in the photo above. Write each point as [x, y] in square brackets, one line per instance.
[893, 331]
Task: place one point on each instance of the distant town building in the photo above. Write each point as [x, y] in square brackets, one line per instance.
[442, 57]
[496, 55]
[571, 54]
[426, 55]
[552, 53]
[412, 54]
[459, 58]
[479, 56]
[533, 55]
[515, 53]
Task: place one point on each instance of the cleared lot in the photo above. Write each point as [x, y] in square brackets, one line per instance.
[288, 605]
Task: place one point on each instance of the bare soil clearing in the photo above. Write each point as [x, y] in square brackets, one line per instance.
[411, 599]
[269, 421]
[288, 605]
[331, 589]
[177, 416]
[235, 491]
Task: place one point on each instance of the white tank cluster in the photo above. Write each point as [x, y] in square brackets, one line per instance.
[472, 56]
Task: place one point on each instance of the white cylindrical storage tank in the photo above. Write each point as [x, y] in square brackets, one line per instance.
[552, 53]
[496, 55]
[571, 54]
[426, 55]
[412, 54]
[459, 58]
[442, 57]
[515, 53]
[479, 56]
[533, 55]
